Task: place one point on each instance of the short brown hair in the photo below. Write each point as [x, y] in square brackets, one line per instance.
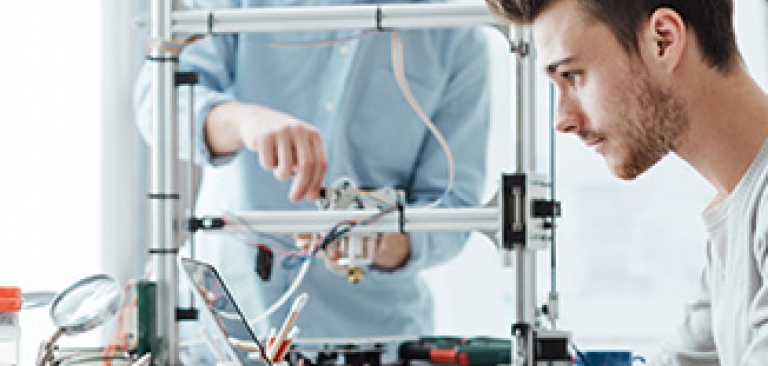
[711, 21]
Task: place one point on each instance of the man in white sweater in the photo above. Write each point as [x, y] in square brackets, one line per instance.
[638, 79]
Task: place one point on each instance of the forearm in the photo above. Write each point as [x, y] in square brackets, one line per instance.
[289, 147]
[222, 128]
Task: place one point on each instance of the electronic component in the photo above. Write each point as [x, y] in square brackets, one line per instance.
[264, 260]
[357, 250]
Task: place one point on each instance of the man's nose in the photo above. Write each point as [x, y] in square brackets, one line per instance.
[568, 117]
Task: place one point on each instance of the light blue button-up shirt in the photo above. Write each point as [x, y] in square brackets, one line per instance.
[370, 133]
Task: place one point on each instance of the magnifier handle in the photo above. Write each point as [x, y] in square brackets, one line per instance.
[45, 353]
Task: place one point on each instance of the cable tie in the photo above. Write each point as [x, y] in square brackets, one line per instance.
[210, 22]
[163, 196]
[162, 59]
[379, 16]
[164, 251]
[401, 217]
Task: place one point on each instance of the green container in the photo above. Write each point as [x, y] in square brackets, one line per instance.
[146, 322]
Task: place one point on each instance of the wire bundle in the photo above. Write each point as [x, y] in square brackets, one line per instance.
[291, 258]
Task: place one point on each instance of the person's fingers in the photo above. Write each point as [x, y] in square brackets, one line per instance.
[309, 241]
[335, 267]
[305, 167]
[302, 236]
[286, 158]
[392, 251]
[371, 246]
[267, 150]
[303, 243]
[332, 255]
[320, 166]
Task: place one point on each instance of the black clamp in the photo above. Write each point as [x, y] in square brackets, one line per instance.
[162, 59]
[163, 196]
[545, 209]
[186, 314]
[379, 17]
[210, 23]
[172, 251]
[401, 217]
[520, 328]
[185, 78]
[206, 223]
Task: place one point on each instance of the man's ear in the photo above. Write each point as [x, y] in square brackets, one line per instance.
[663, 38]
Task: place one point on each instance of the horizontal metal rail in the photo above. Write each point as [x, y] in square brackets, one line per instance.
[414, 219]
[328, 18]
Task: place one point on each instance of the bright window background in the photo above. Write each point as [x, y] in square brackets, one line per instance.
[50, 73]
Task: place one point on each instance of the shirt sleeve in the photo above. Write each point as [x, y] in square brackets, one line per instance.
[694, 342]
[212, 59]
[463, 117]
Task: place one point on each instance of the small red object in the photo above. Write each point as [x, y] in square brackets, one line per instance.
[10, 299]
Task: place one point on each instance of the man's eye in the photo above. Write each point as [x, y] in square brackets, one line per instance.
[570, 76]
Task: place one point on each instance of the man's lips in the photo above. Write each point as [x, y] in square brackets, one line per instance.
[595, 143]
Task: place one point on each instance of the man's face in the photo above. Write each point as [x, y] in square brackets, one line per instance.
[605, 95]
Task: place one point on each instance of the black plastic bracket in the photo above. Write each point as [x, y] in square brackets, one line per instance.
[205, 223]
[545, 209]
[186, 78]
[551, 349]
[186, 314]
[513, 215]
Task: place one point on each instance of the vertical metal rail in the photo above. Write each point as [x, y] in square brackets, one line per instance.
[163, 193]
[525, 89]
[525, 257]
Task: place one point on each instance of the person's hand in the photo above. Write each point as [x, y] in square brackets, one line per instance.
[390, 252]
[287, 146]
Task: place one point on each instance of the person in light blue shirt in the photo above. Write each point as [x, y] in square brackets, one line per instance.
[280, 115]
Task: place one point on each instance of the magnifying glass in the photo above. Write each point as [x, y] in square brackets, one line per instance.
[83, 306]
[36, 299]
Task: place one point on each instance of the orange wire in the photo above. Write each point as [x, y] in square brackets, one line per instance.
[172, 46]
[120, 338]
[259, 245]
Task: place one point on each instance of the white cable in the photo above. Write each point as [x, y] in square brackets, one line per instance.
[285, 296]
[402, 82]
[228, 315]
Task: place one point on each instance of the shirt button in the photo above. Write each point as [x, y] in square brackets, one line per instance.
[329, 106]
[343, 50]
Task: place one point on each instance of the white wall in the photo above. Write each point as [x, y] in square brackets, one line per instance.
[50, 72]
